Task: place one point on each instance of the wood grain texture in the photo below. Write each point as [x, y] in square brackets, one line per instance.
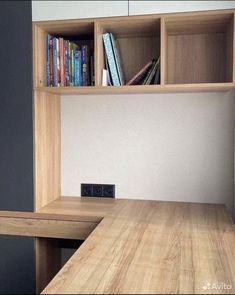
[40, 226]
[199, 48]
[150, 247]
[201, 61]
[89, 209]
[39, 59]
[196, 47]
[138, 89]
[46, 147]
[48, 261]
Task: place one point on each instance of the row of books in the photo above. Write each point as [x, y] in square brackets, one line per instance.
[113, 74]
[67, 63]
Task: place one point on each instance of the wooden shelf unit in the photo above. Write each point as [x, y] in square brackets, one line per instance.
[197, 55]
[197, 50]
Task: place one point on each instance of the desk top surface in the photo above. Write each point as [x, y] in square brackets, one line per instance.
[148, 247]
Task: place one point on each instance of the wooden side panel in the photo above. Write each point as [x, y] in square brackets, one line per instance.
[48, 261]
[47, 148]
[39, 61]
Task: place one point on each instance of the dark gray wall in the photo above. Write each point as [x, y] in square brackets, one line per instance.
[16, 141]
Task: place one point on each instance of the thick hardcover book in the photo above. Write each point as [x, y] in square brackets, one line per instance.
[62, 74]
[85, 65]
[117, 57]
[139, 76]
[111, 59]
[77, 68]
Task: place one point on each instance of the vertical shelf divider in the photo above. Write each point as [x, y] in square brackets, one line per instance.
[163, 55]
[99, 60]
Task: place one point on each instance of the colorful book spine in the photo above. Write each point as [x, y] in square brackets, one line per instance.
[111, 59]
[117, 57]
[67, 62]
[85, 65]
[51, 62]
[62, 74]
[55, 76]
[48, 37]
[77, 68]
[58, 61]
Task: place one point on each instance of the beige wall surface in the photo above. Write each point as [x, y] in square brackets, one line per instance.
[176, 147]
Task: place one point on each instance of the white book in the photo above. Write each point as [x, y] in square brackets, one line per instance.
[104, 77]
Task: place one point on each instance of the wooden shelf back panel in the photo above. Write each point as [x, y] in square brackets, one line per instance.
[198, 49]
[47, 148]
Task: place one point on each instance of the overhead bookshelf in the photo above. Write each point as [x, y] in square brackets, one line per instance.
[196, 50]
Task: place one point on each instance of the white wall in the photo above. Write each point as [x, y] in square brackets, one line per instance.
[57, 10]
[176, 147]
[148, 7]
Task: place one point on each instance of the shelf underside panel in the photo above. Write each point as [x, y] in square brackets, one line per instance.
[138, 89]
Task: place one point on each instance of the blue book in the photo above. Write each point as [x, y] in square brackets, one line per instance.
[117, 59]
[111, 59]
[77, 68]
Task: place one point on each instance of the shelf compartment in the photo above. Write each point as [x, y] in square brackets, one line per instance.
[138, 41]
[199, 49]
[80, 30]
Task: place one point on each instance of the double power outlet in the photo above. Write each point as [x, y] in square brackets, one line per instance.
[98, 190]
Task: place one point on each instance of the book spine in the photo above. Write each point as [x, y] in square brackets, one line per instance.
[151, 76]
[51, 62]
[55, 76]
[70, 64]
[111, 60]
[66, 63]
[149, 73]
[92, 75]
[58, 60]
[117, 59]
[77, 68]
[48, 60]
[61, 43]
[85, 66]
[72, 68]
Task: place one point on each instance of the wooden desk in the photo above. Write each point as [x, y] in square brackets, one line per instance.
[148, 247]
